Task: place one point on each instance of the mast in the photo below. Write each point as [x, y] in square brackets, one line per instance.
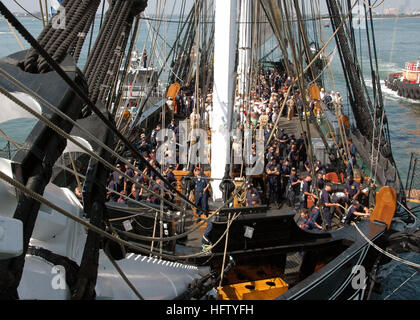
[244, 47]
[224, 71]
[359, 103]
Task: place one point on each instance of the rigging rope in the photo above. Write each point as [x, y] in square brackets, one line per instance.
[16, 36]
[81, 94]
[16, 144]
[303, 72]
[23, 8]
[224, 255]
[64, 116]
[90, 226]
[406, 262]
[70, 138]
[127, 281]
[409, 211]
[126, 197]
[400, 286]
[59, 131]
[373, 6]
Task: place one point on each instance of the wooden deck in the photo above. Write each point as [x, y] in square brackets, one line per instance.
[294, 127]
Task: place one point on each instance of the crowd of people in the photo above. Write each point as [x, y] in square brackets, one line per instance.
[288, 175]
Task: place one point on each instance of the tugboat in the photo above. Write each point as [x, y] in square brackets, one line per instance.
[406, 83]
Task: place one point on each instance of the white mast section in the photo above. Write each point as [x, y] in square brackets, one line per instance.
[224, 76]
[244, 47]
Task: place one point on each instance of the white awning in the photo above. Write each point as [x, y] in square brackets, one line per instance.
[71, 147]
[10, 110]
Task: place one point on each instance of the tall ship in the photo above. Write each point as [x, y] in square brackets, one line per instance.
[238, 177]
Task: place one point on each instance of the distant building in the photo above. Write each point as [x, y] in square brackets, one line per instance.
[391, 11]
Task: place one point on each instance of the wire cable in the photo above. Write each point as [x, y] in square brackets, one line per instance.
[32, 15]
[406, 262]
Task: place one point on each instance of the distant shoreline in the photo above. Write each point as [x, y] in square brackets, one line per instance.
[396, 17]
[388, 17]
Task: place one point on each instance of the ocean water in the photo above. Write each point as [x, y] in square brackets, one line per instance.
[397, 42]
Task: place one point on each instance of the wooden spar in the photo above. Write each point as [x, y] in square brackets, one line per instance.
[224, 69]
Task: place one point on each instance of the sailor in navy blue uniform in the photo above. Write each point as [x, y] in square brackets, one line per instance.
[356, 210]
[316, 215]
[139, 180]
[127, 183]
[320, 168]
[285, 174]
[169, 175]
[273, 171]
[282, 140]
[352, 188]
[308, 222]
[352, 157]
[252, 197]
[328, 205]
[270, 153]
[267, 131]
[201, 191]
[305, 224]
[153, 136]
[293, 156]
[301, 148]
[307, 165]
[118, 179]
[293, 187]
[305, 192]
[112, 196]
[320, 181]
[172, 125]
[158, 188]
[142, 145]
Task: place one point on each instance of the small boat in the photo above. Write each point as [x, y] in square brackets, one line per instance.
[407, 82]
